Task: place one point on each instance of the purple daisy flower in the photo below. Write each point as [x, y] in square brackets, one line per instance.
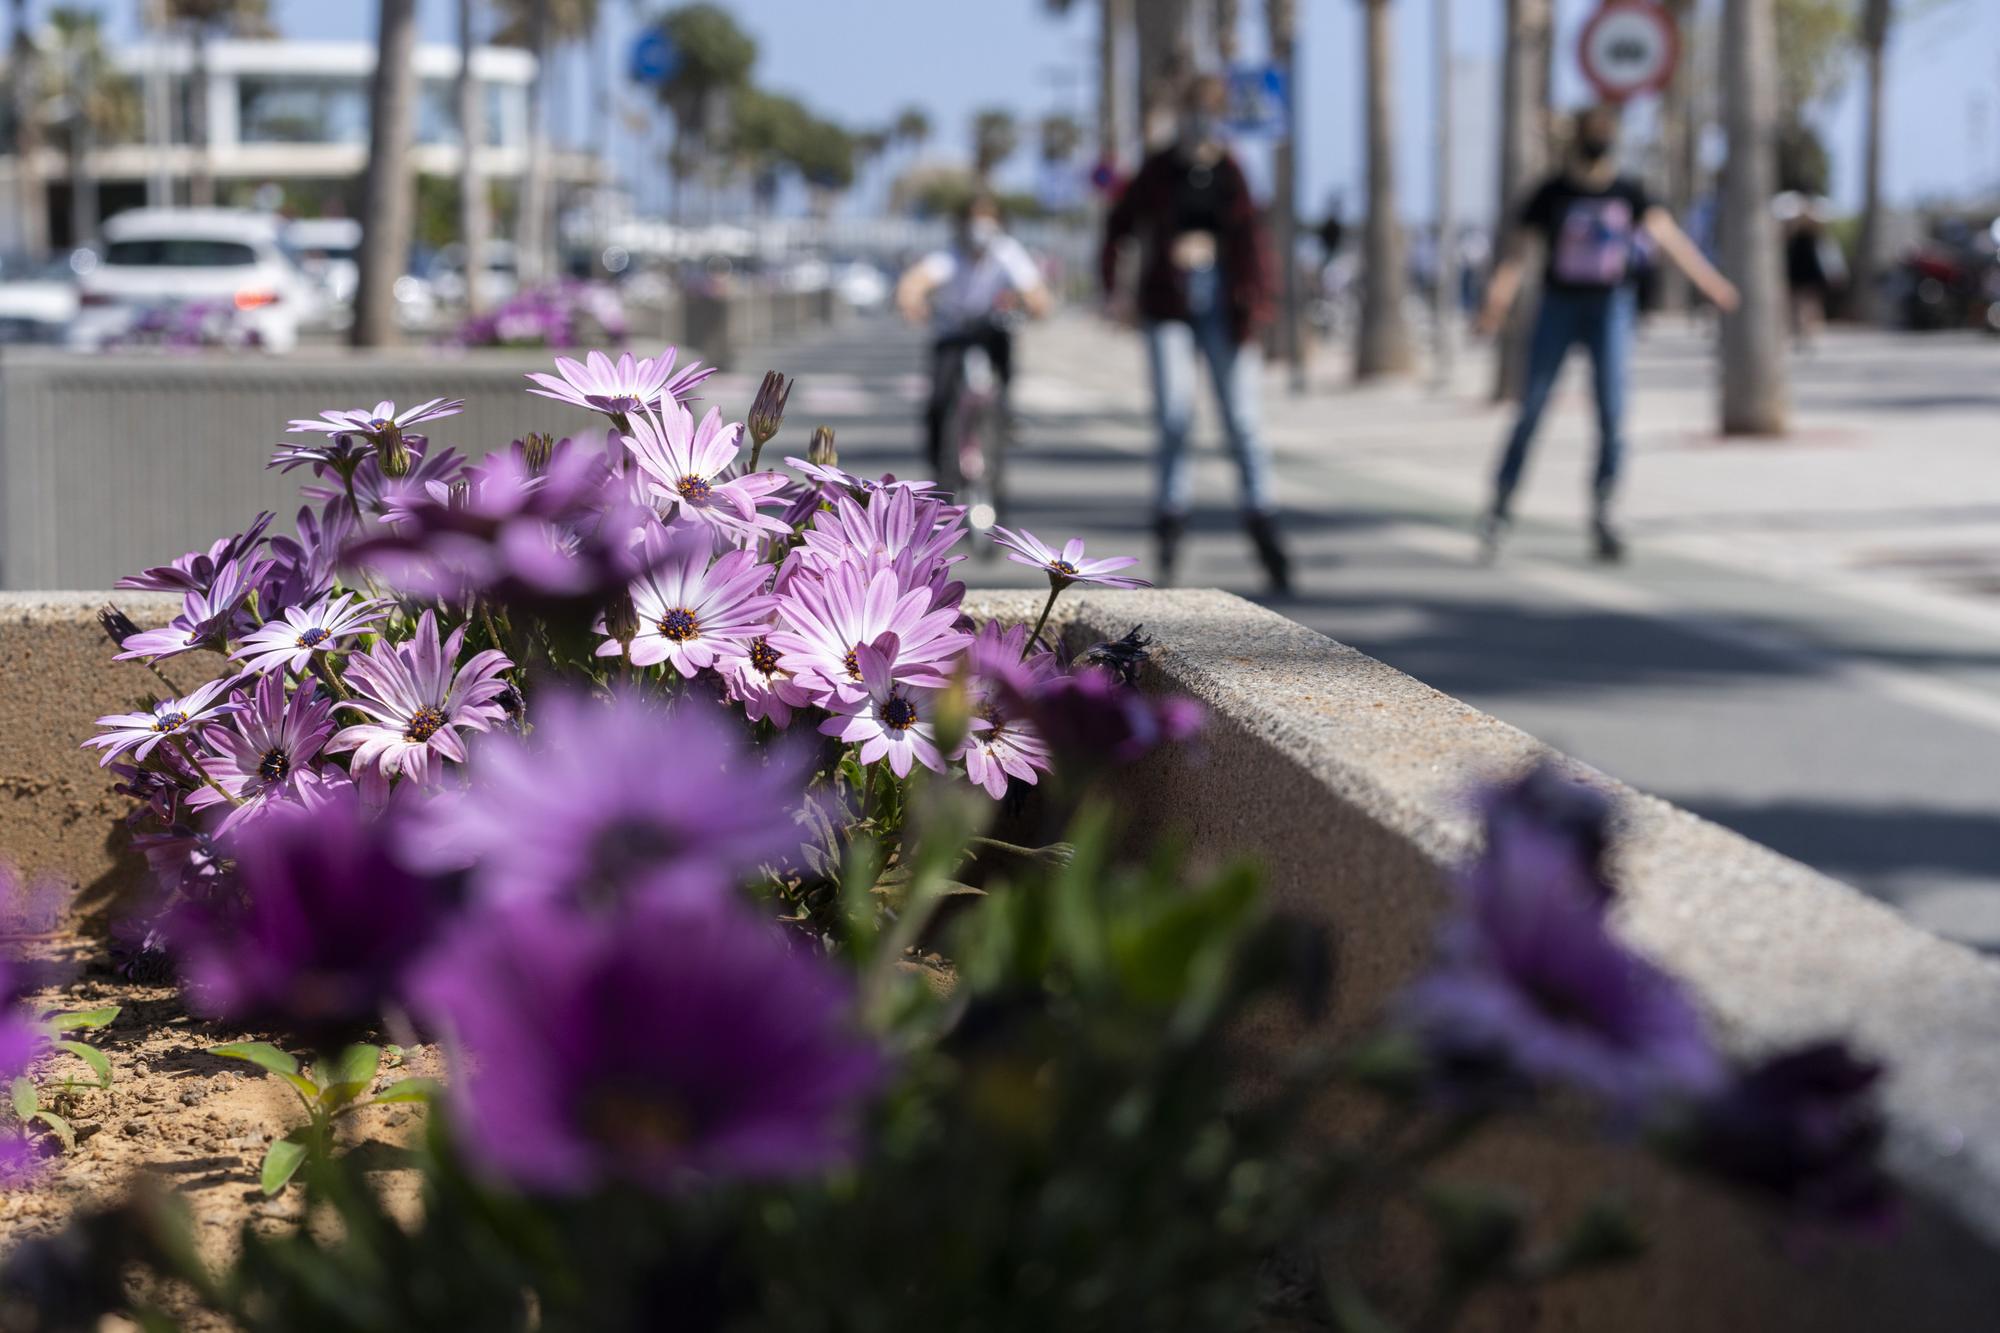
[692, 610]
[585, 808]
[376, 422]
[733, 1055]
[302, 568]
[827, 619]
[185, 717]
[1530, 984]
[416, 698]
[619, 387]
[305, 630]
[1009, 745]
[761, 682]
[208, 617]
[891, 719]
[378, 495]
[1067, 566]
[326, 921]
[894, 527]
[266, 753]
[196, 570]
[1092, 718]
[691, 473]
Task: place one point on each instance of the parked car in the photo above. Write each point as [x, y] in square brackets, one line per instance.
[154, 260]
[329, 249]
[37, 299]
[503, 274]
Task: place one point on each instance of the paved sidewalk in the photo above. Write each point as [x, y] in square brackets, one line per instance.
[1805, 646]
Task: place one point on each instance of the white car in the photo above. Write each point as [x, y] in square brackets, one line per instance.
[37, 299]
[329, 250]
[155, 262]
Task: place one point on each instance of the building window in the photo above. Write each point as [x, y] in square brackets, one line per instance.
[279, 109]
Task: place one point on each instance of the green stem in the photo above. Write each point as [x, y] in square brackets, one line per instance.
[324, 670]
[181, 744]
[1048, 606]
[161, 676]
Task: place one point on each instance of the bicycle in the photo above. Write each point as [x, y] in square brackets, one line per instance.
[977, 426]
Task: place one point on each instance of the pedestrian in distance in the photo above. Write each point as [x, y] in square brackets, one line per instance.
[1589, 219]
[1205, 289]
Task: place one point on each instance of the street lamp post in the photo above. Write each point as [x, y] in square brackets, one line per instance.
[1446, 267]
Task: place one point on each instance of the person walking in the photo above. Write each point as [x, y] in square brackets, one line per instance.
[1590, 219]
[1205, 289]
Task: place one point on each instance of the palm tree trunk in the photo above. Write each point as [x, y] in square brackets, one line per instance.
[30, 195]
[1753, 339]
[1677, 146]
[1112, 18]
[1163, 63]
[1524, 159]
[1281, 20]
[201, 177]
[386, 193]
[472, 222]
[531, 219]
[1383, 347]
[82, 184]
[1868, 252]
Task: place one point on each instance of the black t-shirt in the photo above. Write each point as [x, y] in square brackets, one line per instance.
[1198, 200]
[1591, 234]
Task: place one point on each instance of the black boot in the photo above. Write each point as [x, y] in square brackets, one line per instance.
[1606, 545]
[1263, 529]
[1167, 530]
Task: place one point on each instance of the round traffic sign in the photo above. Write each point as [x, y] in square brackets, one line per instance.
[1629, 47]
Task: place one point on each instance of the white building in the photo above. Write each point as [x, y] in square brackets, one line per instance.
[290, 114]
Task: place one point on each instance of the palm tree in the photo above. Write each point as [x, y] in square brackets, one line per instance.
[1678, 144]
[715, 61]
[98, 102]
[538, 26]
[994, 139]
[1164, 62]
[1524, 157]
[1873, 33]
[1281, 23]
[1383, 347]
[24, 85]
[472, 210]
[1060, 137]
[387, 192]
[204, 20]
[1753, 338]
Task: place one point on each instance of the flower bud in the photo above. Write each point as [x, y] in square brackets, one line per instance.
[951, 714]
[821, 452]
[118, 626]
[621, 619]
[536, 450]
[768, 412]
[392, 453]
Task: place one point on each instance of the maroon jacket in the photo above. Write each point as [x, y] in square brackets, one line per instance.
[1145, 209]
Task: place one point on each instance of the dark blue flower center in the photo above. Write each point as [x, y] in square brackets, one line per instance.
[613, 402]
[314, 637]
[763, 656]
[274, 765]
[379, 424]
[898, 713]
[693, 489]
[424, 724]
[679, 625]
[1063, 567]
[170, 721]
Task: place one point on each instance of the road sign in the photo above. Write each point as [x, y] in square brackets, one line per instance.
[654, 58]
[1629, 47]
[1257, 97]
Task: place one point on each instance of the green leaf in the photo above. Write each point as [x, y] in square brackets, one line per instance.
[83, 1018]
[99, 1062]
[349, 1075]
[282, 1160]
[26, 1101]
[260, 1053]
[61, 1128]
[407, 1090]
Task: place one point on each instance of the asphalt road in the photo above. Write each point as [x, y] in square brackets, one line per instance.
[1851, 724]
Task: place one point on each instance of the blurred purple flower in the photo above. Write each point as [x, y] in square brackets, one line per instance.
[325, 921]
[1067, 566]
[195, 571]
[185, 717]
[1531, 985]
[608, 801]
[417, 697]
[1091, 718]
[626, 385]
[668, 1047]
[1802, 1128]
[1548, 823]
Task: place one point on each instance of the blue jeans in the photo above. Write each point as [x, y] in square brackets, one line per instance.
[1171, 347]
[1602, 322]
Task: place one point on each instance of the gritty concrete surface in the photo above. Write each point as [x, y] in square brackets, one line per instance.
[1349, 781]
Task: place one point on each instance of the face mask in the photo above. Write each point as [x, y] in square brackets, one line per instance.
[1201, 128]
[982, 232]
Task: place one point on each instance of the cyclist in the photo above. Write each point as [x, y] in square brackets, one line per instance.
[966, 290]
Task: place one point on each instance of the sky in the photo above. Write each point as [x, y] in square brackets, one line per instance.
[859, 61]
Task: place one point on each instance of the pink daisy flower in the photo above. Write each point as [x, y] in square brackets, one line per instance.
[890, 718]
[186, 716]
[893, 526]
[1008, 746]
[417, 698]
[691, 610]
[379, 420]
[1067, 566]
[690, 473]
[760, 680]
[828, 618]
[304, 630]
[619, 387]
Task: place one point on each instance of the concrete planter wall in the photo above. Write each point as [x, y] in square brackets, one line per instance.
[1346, 779]
[107, 461]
